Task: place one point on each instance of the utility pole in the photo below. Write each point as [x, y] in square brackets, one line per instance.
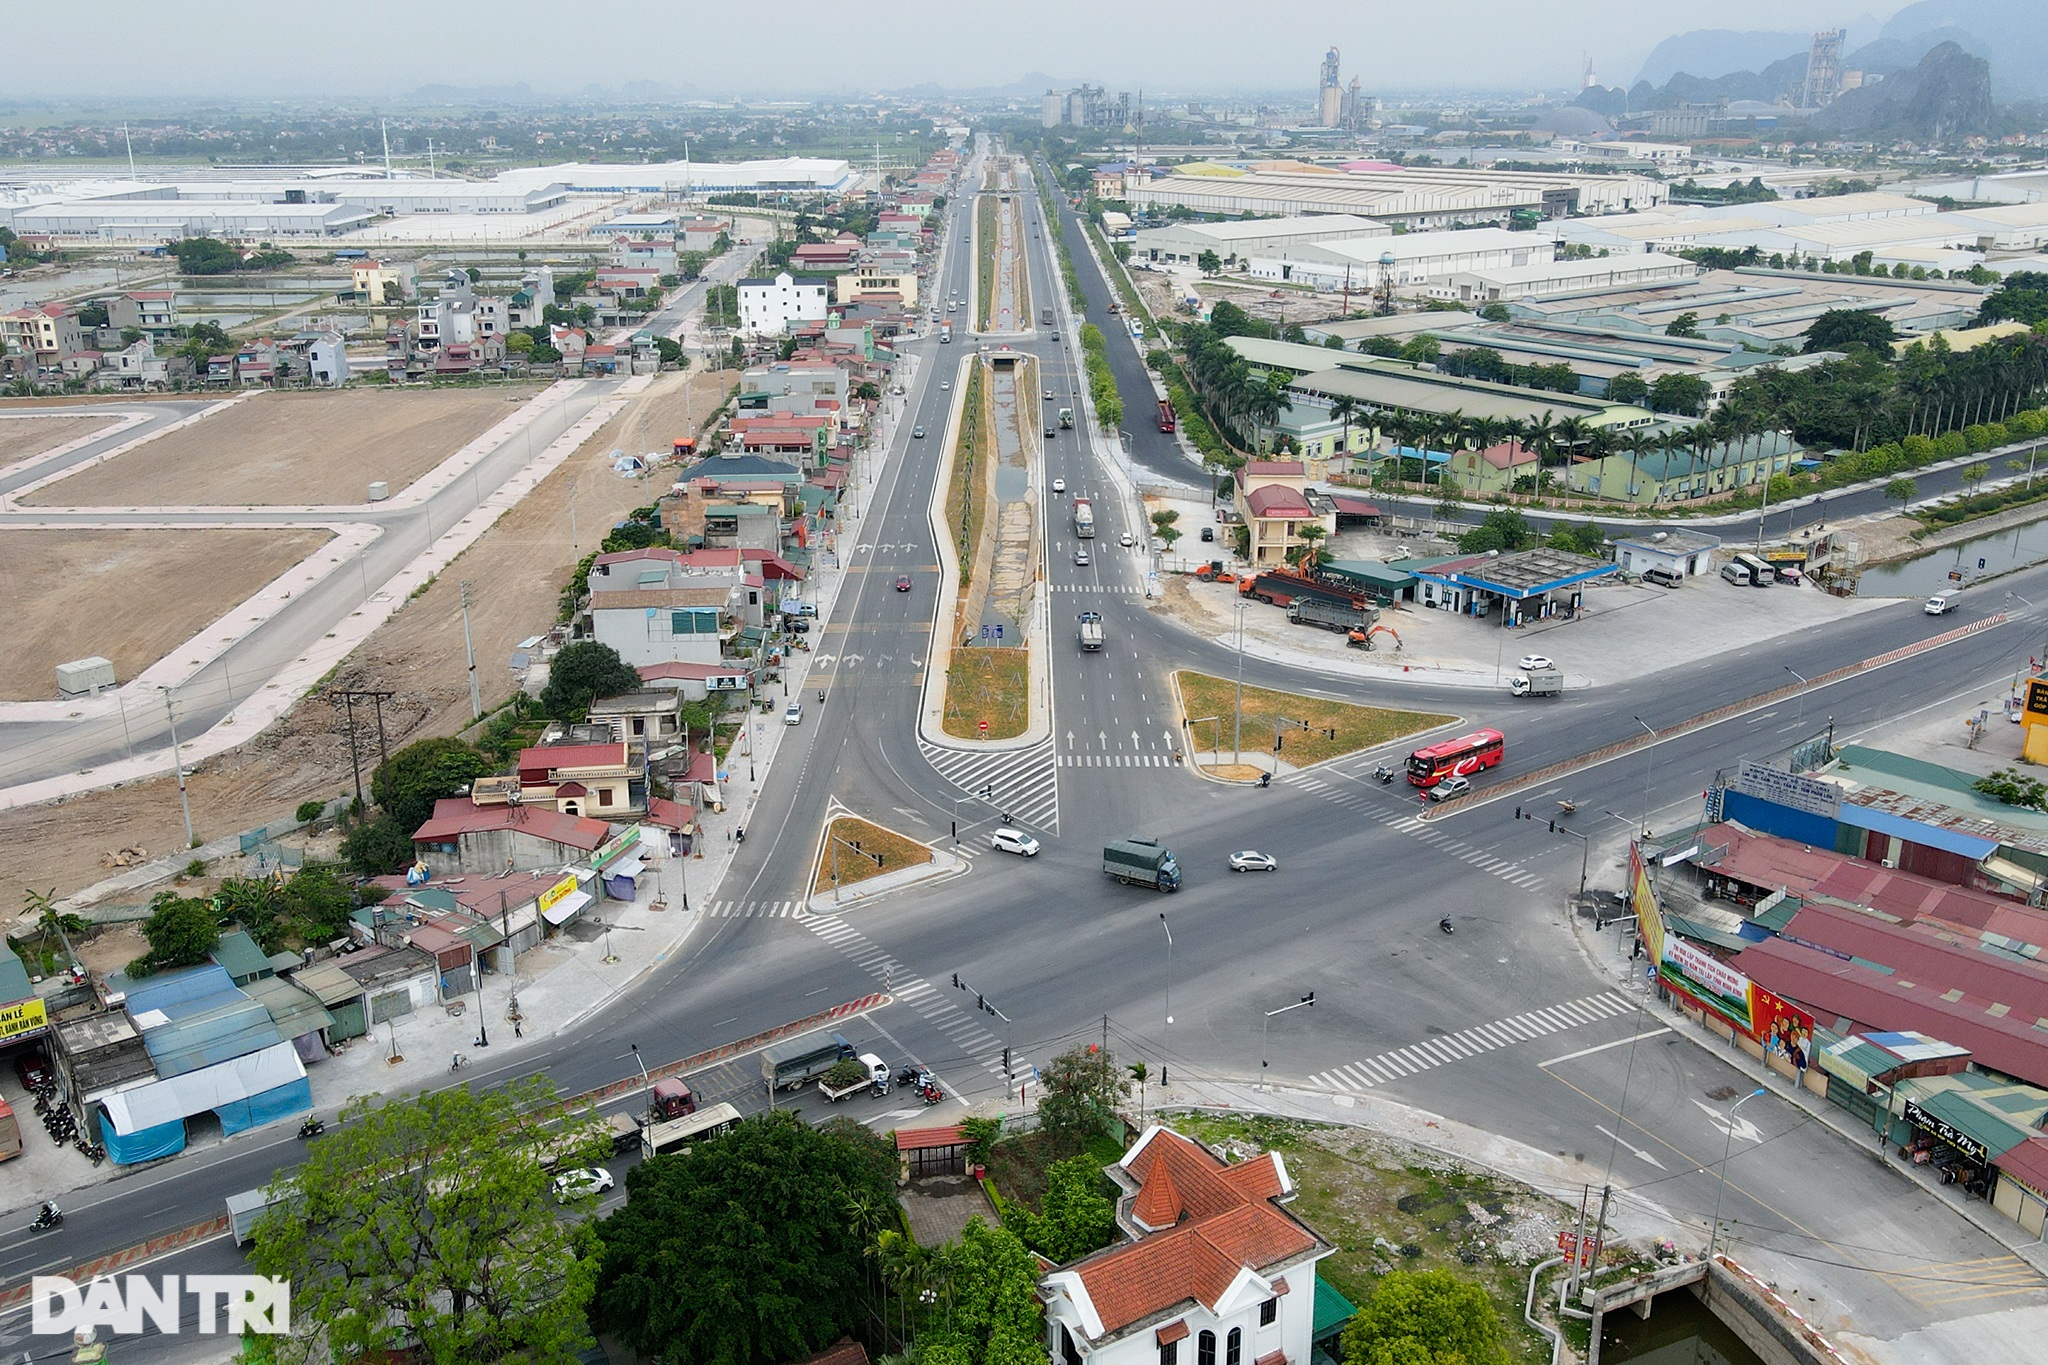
[347, 698]
[476, 696]
[981, 1003]
[1306, 1000]
[178, 761]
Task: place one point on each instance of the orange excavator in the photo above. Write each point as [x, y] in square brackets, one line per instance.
[1362, 639]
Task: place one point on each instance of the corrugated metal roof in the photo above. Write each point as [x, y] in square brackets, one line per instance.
[14, 982]
[2028, 1163]
[328, 983]
[234, 1029]
[238, 953]
[294, 1011]
[1928, 961]
[175, 993]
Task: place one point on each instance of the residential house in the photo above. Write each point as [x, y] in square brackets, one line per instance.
[1213, 1270]
[1483, 473]
[628, 281]
[658, 255]
[653, 606]
[767, 307]
[510, 904]
[700, 234]
[48, 332]
[1680, 475]
[154, 311]
[836, 254]
[381, 282]
[602, 781]
[572, 342]
[793, 387]
[465, 836]
[651, 720]
[876, 279]
[326, 358]
[695, 682]
[256, 363]
[1273, 503]
[600, 357]
[133, 367]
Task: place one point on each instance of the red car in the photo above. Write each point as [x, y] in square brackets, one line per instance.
[903, 582]
[33, 1068]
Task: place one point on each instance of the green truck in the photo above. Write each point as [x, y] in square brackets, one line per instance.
[792, 1065]
[1146, 862]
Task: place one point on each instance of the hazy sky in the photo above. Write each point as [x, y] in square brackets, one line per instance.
[383, 47]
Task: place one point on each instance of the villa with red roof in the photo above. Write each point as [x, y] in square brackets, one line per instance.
[1273, 503]
[1214, 1270]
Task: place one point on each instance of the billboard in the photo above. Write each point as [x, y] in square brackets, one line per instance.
[1643, 900]
[22, 1018]
[1708, 980]
[553, 895]
[1785, 1030]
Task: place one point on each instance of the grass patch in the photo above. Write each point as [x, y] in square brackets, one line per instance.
[1385, 1211]
[985, 260]
[966, 501]
[895, 851]
[990, 685]
[1356, 727]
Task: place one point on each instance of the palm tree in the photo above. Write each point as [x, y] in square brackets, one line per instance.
[1572, 434]
[1343, 409]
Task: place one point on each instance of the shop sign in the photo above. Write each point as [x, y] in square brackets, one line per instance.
[553, 895]
[1789, 789]
[617, 848]
[23, 1018]
[1946, 1131]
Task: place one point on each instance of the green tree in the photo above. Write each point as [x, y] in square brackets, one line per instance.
[992, 1314]
[1428, 1317]
[1423, 350]
[1684, 325]
[1685, 394]
[475, 275]
[1077, 1095]
[1209, 263]
[430, 1220]
[420, 774]
[1901, 490]
[2023, 297]
[1975, 474]
[582, 673]
[181, 931]
[1628, 387]
[1583, 539]
[1496, 312]
[1840, 329]
[205, 256]
[1310, 552]
[742, 1250]
[519, 343]
[376, 847]
[1077, 1214]
[1503, 529]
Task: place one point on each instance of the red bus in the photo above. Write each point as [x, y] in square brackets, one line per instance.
[1166, 415]
[1462, 757]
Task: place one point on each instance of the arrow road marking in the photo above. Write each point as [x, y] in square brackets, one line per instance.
[1633, 1151]
[1727, 1124]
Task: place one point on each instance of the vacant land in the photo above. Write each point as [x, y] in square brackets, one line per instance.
[292, 448]
[129, 596]
[516, 574]
[991, 685]
[879, 851]
[21, 437]
[1335, 728]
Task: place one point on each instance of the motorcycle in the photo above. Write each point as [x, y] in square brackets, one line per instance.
[50, 1217]
[311, 1128]
[1265, 779]
[1384, 774]
[931, 1094]
[1445, 925]
[821, 696]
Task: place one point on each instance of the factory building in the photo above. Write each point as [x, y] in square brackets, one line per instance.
[1183, 243]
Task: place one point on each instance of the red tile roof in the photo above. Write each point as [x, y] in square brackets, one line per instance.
[1507, 455]
[1216, 1221]
[455, 816]
[924, 1139]
[663, 813]
[660, 552]
[536, 764]
[844, 1353]
[694, 672]
[1278, 500]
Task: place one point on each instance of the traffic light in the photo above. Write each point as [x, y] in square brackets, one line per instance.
[1007, 1073]
[956, 981]
[1276, 744]
[1309, 999]
[981, 1003]
[1553, 826]
[1518, 812]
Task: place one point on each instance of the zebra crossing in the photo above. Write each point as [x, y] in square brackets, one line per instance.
[958, 1026]
[1164, 760]
[755, 909]
[1098, 589]
[1024, 782]
[1397, 1063]
[1355, 798]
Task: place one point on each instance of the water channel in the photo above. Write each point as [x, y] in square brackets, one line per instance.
[1974, 559]
[1679, 1331]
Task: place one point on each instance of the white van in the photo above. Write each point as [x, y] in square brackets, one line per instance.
[1940, 604]
[1738, 574]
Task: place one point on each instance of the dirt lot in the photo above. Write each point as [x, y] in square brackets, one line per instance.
[516, 573]
[21, 437]
[130, 596]
[292, 448]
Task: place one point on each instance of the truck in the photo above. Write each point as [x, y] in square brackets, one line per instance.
[1084, 519]
[795, 1064]
[1537, 682]
[658, 1139]
[670, 1099]
[1283, 587]
[1330, 614]
[1091, 631]
[1145, 862]
[874, 1075]
[1045, 317]
[1166, 418]
[945, 334]
[1066, 417]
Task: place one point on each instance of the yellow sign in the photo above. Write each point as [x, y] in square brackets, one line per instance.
[556, 892]
[2036, 707]
[22, 1018]
[1644, 901]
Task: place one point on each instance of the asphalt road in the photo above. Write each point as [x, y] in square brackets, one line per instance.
[1506, 1025]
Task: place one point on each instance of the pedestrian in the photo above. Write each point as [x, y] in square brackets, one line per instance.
[517, 1030]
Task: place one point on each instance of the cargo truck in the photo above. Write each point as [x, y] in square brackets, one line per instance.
[1045, 317]
[945, 334]
[1091, 631]
[795, 1064]
[1145, 862]
[1537, 682]
[1084, 519]
[1066, 417]
[874, 1074]
[1282, 588]
[1330, 614]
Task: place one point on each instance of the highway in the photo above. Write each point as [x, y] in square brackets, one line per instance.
[1505, 1025]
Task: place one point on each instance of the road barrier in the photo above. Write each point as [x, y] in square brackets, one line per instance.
[1720, 713]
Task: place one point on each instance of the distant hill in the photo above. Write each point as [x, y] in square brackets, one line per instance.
[2013, 34]
[1711, 52]
[1948, 95]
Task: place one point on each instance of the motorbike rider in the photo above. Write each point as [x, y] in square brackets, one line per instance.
[49, 1213]
[1444, 924]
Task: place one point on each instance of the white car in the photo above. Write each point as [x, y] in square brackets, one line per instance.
[794, 715]
[946, 385]
[1251, 860]
[1015, 841]
[1126, 541]
[1450, 787]
[1081, 559]
[1059, 485]
[1533, 662]
[582, 1183]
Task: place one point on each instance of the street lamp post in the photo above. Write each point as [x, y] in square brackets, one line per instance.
[1727, 1143]
[1649, 761]
[1237, 726]
[1169, 965]
[1308, 999]
[1799, 716]
[178, 762]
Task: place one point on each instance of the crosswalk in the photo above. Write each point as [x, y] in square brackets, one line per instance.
[1098, 589]
[755, 909]
[1397, 1063]
[1022, 783]
[1164, 760]
[960, 1027]
[1353, 797]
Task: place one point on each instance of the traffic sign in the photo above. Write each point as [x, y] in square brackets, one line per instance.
[984, 727]
[999, 631]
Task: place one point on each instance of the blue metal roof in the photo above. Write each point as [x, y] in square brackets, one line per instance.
[1475, 581]
[1915, 831]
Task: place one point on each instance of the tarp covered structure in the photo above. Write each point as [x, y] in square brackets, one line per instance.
[245, 1092]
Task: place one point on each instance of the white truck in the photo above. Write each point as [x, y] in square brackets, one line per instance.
[874, 1075]
[1091, 631]
[1537, 682]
